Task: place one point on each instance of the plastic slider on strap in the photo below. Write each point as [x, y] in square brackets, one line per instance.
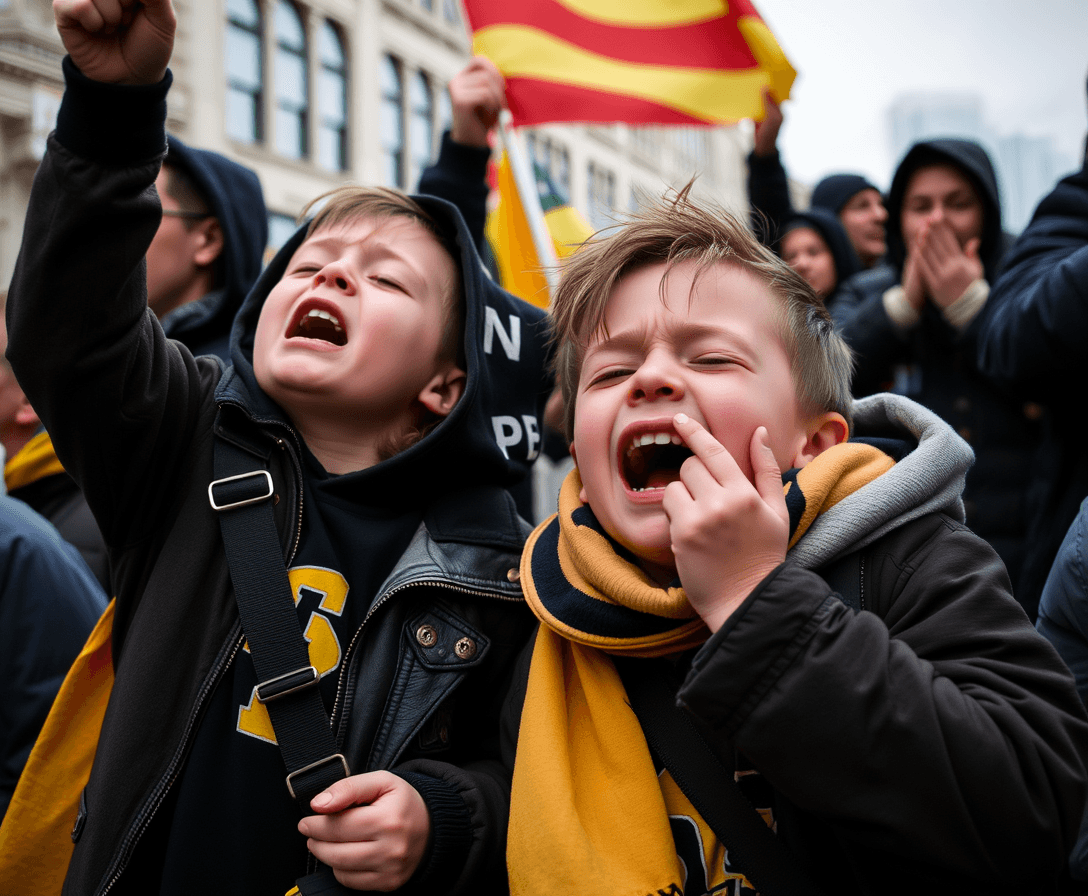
[282, 685]
[240, 490]
[335, 757]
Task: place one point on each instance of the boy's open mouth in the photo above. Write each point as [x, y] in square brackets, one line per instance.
[316, 322]
[651, 460]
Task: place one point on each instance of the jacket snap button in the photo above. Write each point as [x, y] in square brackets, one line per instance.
[426, 636]
[513, 575]
[465, 648]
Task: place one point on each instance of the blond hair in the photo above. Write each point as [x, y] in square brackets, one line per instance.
[676, 230]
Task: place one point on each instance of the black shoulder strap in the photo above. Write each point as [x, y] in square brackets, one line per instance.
[677, 744]
[242, 495]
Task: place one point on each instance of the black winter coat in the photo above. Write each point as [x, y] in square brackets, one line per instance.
[134, 418]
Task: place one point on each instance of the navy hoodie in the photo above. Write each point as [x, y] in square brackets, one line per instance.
[234, 194]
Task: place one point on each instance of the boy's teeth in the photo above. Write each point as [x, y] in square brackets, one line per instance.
[324, 315]
[650, 438]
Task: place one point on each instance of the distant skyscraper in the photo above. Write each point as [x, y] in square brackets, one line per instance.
[922, 116]
[1027, 167]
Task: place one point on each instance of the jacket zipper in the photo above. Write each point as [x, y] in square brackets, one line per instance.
[167, 781]
[381, 601]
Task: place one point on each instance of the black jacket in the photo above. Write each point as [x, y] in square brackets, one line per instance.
[49, 602]
[930, 742]
[134, 417]
[936, 364]
[1033, 340]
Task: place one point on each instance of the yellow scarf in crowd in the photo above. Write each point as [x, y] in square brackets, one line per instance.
[588, 811]
[34, 461]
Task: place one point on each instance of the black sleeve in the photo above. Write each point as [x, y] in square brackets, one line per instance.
[943, 744]
[769, 196]
[460, 176]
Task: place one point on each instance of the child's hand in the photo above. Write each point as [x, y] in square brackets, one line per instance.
[372, 830]
[118, 41]
[727, 534]
[477, 95]
[946, 268]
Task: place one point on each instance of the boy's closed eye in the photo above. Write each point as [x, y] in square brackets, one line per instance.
[606, 376]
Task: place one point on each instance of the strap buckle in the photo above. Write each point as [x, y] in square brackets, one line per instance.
[288, 683]
[243, 493]
[313, 765]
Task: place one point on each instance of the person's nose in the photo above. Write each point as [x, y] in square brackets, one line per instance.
[881, 213]
[335, 276]
[656, 379]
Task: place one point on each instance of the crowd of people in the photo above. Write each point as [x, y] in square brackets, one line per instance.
[812, 615]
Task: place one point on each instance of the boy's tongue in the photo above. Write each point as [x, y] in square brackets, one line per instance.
[661, 478]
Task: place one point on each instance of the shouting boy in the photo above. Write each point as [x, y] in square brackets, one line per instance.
[372, 365]
[913, 735]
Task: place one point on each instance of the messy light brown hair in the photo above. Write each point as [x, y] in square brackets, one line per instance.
[674, 230]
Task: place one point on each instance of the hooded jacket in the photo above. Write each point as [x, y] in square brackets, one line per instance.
[234, 194]
[930, 742]
[49, 602]
[769, 195]
[830, 229]
[1032, 340]
[935, 362]
[142, 451]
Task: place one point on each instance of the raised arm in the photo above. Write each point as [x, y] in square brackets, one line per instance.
[477, 95]
[90, 357]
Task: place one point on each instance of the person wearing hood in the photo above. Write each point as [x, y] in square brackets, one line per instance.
[913, 326]
[377, 382]
[209, 248]
[815, 245]
[852, 198]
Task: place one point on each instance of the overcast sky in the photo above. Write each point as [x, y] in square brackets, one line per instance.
[1027, 59]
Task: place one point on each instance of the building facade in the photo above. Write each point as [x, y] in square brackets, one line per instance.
[316, 93]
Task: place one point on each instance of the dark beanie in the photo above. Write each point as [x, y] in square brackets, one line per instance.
[835, 190]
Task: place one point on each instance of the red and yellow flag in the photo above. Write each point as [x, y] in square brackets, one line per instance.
[680, 62]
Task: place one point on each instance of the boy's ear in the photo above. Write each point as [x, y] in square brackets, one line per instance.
[582, 496]
[443, 391]
[824, 432]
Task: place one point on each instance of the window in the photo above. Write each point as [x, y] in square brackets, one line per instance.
[553, 158]
[332, 100]
[292, 89]
[420, 128]
[602, 196]
[392, 123]
[245, 71]
[281, 228]
[445, 111]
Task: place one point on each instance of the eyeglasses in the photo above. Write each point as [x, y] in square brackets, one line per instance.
[181, 213]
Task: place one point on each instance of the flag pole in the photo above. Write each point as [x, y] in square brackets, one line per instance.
[525, 181]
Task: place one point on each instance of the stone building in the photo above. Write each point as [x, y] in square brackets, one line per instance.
[313, 94]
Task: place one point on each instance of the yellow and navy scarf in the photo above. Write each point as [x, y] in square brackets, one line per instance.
[588, 811]
[34, 461]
